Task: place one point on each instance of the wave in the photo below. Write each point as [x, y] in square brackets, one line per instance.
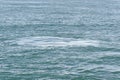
[47, 41]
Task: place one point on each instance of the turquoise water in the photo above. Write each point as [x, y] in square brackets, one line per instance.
[59, 40]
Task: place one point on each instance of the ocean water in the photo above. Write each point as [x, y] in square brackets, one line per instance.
[59, 39]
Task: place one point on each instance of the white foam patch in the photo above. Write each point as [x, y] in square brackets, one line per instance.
[46, 41]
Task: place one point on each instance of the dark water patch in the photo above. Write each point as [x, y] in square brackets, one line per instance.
[116, 72]
[86, 78]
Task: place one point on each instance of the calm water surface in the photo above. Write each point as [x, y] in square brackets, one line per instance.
[59, 40]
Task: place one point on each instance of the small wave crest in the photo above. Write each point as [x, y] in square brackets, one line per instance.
[46, 41]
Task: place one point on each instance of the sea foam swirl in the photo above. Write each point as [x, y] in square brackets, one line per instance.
[47, 41]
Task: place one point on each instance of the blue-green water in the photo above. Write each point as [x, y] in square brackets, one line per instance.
[59, 40]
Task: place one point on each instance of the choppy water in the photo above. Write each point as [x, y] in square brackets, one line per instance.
[59, 40]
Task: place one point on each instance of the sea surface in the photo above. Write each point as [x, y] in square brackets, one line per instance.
[59, 39]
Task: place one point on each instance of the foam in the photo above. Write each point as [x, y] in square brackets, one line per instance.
[47, 41]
